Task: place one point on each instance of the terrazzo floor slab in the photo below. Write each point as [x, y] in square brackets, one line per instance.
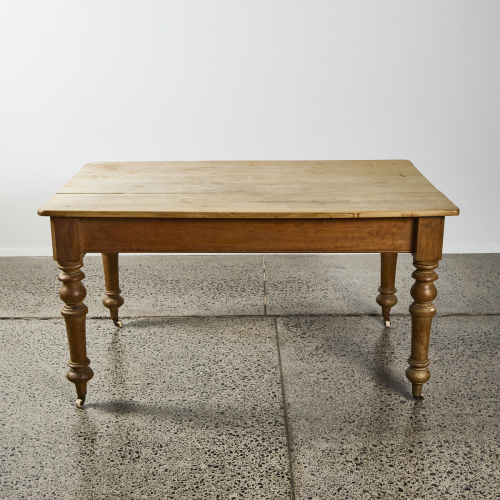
[191, 407]
[212, 285]
[184, 408]
[152, 285]
[355, 430]
[348, 284]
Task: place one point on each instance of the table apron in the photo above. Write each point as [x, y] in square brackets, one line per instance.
[122, 235]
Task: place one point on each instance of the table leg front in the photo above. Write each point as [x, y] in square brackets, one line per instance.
[422, 311]
[113, 300]
[387, 298]
[73, 293]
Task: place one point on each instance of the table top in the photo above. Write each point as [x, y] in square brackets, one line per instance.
[250, 189]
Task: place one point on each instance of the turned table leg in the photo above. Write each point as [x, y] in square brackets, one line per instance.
[387, 298]
[422, 310]
[113, 299]
[73, 293]
[427, 252]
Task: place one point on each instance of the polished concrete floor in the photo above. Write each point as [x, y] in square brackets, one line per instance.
[250, 377]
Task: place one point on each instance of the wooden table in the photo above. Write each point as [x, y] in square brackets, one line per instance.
[382, 206]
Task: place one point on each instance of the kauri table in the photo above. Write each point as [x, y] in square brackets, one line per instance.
[383, 206]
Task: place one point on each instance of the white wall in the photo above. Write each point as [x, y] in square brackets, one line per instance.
[262, 79]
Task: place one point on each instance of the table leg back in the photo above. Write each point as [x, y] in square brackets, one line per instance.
[387, 298]
[113, 299]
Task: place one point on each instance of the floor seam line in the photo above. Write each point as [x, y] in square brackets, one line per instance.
[285, 412]
[265, 284]
[346, 315]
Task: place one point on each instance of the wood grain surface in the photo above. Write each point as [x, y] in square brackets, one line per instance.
[246, 189]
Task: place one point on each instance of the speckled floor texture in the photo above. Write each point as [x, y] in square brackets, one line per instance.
[250, 376]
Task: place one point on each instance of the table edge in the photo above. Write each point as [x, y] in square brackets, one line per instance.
[249, 215]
